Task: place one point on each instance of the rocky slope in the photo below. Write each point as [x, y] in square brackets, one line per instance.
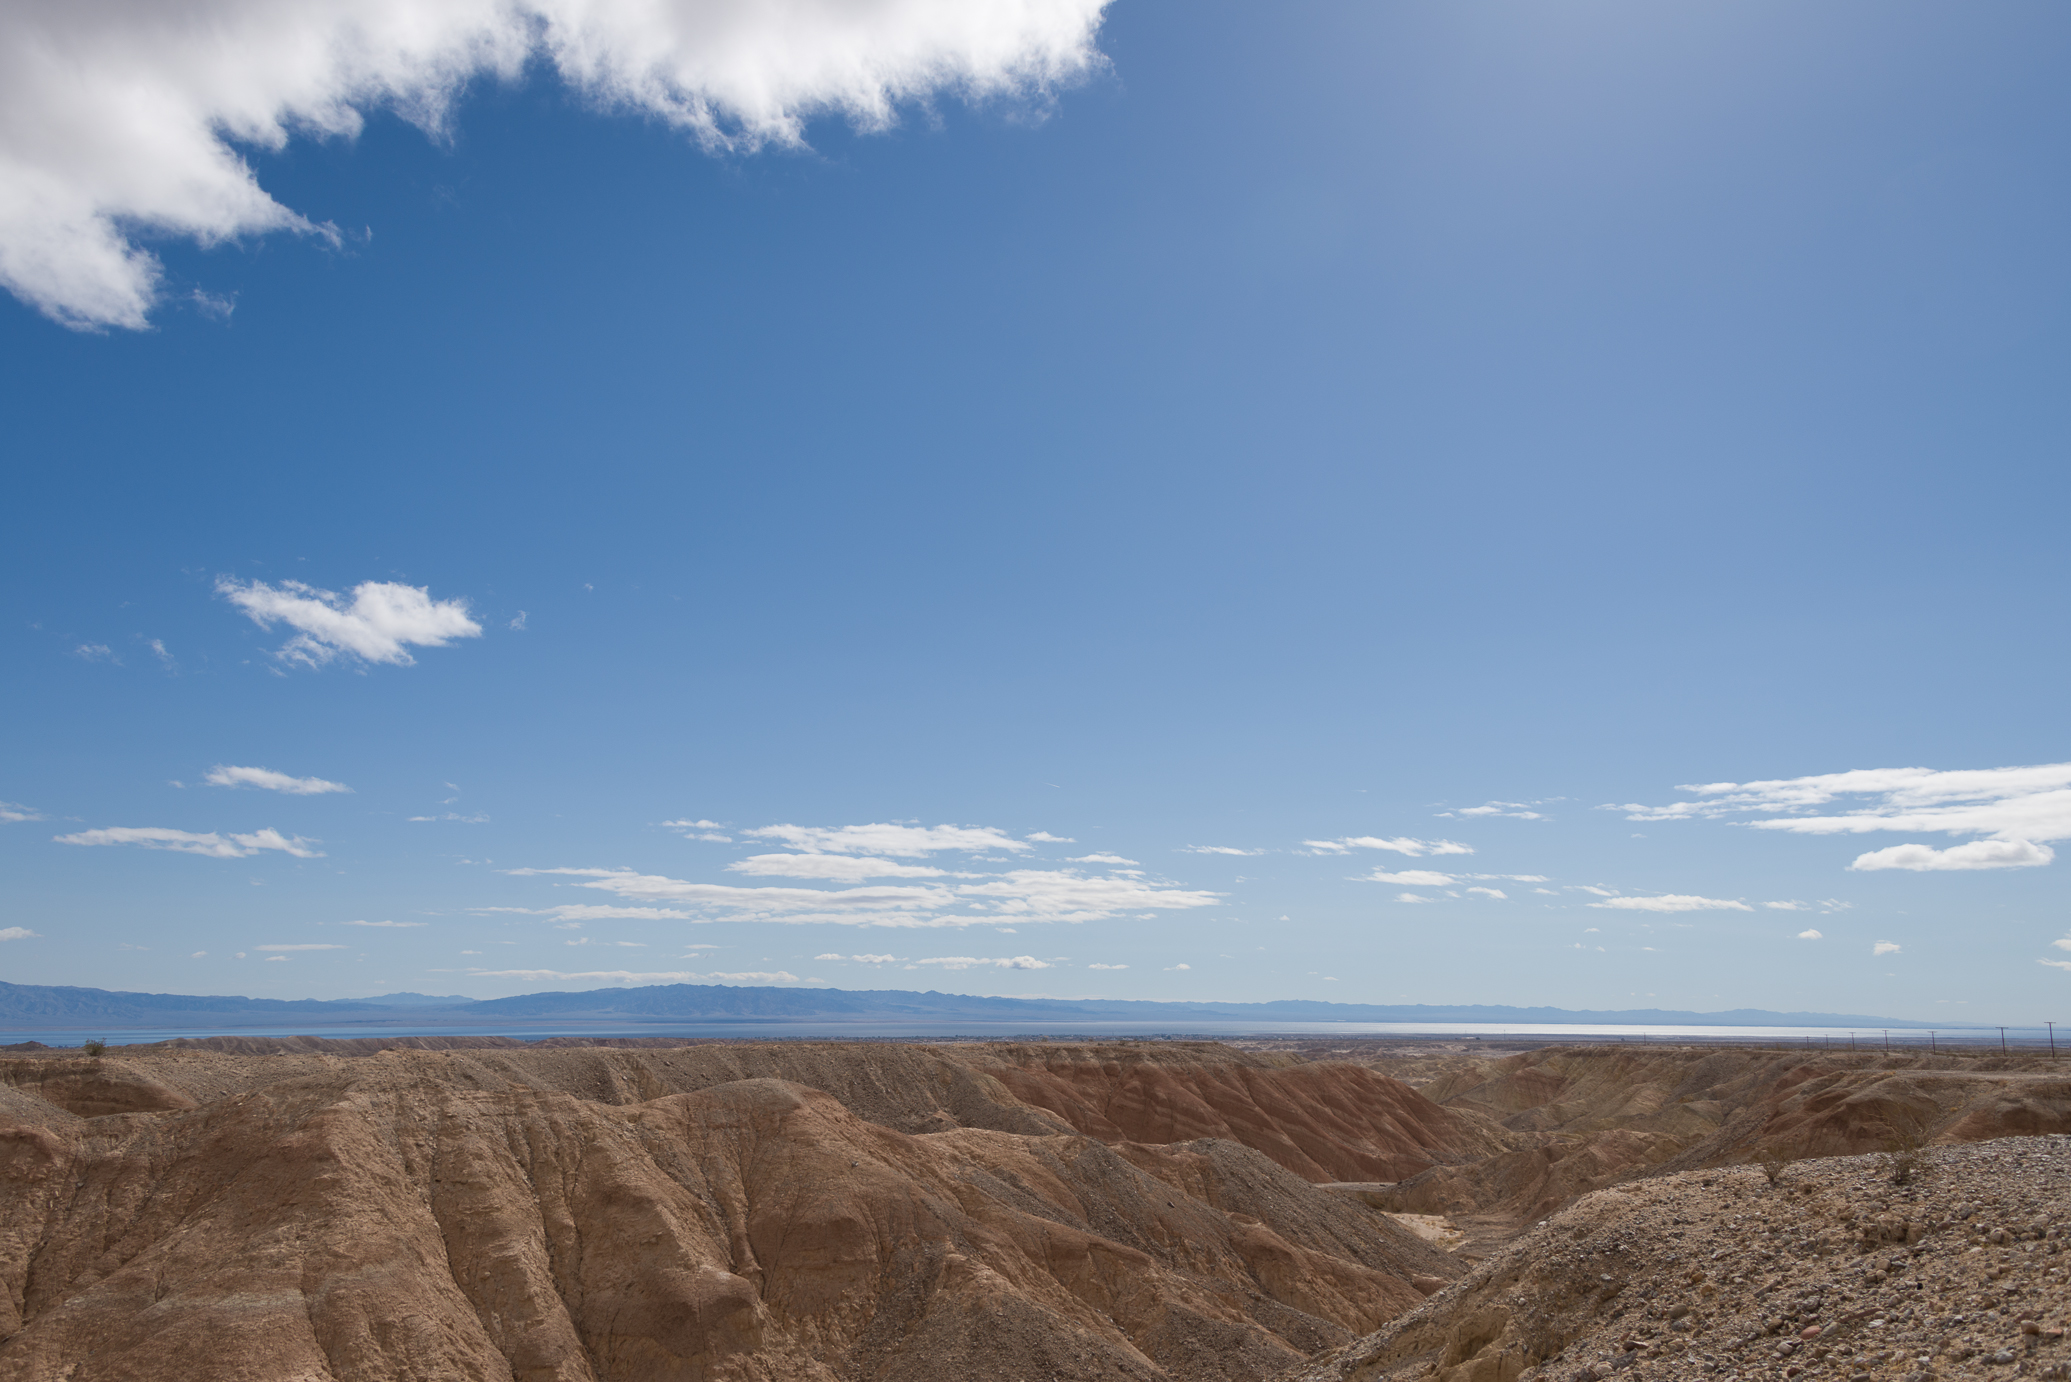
[812, 1211]
[1834, 1272]
[1324, 1121]
[1581, 1118]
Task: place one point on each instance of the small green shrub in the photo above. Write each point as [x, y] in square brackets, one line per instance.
[95, 1048]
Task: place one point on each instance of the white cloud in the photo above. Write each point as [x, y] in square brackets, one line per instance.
[18, 933]
[1047, 838]
[1170, 968]
[627, 976]
[475, 819]
[224, 776]
[95, 652]
[1097, 966]
[1401, 845]
[1413, 897]
[2055, 964]
[1519, 809]
[968, 962]
[1978, 854]
[212, 844]
[15, 811]
[1588, 929]
[199, 955]
[389, 925]
[273, 959]
[1810, 936]
[381, 621]
[1496, 893]
[1220, 849]
[1101, 859]
[517, 624]
[1015, 895]
[116, 115]
[1413, 878]
[700, 830]
[2014, 807]
[2062, 943]
[902, 841]
[301, 947]
[1885, 948]
[835, 868]
[1672, 902]
[574, 914]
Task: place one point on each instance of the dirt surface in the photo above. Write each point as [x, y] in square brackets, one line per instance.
[810, 1211]
[299, 1210]
[1834, 1272]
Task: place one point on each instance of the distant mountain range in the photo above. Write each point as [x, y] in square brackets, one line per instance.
[45, 1007]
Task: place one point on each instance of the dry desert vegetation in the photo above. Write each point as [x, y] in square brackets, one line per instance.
[461, 1208]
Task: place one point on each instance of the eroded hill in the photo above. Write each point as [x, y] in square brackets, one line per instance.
[787, 1211]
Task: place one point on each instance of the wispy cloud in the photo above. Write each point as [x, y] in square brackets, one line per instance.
[18, 933]
[211, 844]
[575, 913]
[1810, 936]
[951, 900]
[1100, 859]
[1886, 948]
[387, 925]
[1101, 966]
[1521, 810]
[96, 652]
[1045, 837]
[1825, 904]
[970, 962]
[1672, 902]
[835, 868]
[629, 976]
[1494, 894]
[300, 947]
[2016, 808]
[1411, 878]
[15, 811]
[380, 623]
[900, 841]
[700, 830]
[1219, 849]
[225, 776]
[1401, 845]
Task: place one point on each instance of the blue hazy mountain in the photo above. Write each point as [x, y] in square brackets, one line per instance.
[65, 1007]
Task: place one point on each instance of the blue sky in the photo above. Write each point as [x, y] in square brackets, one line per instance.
[1175, 428]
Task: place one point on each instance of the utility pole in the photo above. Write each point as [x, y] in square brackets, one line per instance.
[2002, 1041]
[1887, 1043]
[2052, 1039]
[1931, 1047]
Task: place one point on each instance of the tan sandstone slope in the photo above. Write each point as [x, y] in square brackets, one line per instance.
[782, 1211]
[1584, 1117]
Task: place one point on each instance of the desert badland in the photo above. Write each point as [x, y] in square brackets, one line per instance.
[247, 1208]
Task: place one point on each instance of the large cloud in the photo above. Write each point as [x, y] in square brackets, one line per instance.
[2013, 807]
[996, 896]
[121, 118]
[379, 624]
